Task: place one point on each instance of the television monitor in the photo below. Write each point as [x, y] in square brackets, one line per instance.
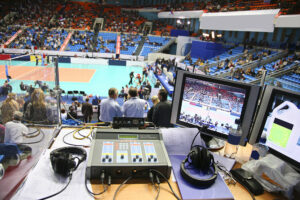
[278, 124]
[216, 103]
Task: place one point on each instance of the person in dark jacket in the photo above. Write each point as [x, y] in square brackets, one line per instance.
[155, 101]
[162, 111]
[87, 111]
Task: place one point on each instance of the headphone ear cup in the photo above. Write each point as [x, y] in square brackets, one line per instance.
[205, 162]
[62, 164]
[195, 156]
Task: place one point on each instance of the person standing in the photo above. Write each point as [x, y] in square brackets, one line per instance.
[162, 111]
[131, 75]
[36, 60]
[98, 109]
[155, 101]
[87, 111]
[109, 108]
[48, 59]
[134, 106]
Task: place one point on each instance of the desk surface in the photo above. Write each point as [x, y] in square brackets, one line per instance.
[147, 192]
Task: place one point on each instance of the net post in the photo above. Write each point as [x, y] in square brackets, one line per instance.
[57, 89]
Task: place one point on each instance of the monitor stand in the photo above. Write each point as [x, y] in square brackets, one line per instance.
[212, 143]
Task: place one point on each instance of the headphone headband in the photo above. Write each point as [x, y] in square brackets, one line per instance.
[203, 160]
[71, 150]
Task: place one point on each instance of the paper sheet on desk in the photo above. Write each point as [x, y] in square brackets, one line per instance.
[218, 190]
[226, 162]
[42, 182]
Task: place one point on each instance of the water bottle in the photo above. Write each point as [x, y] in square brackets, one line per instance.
[234, 137]
[258, 151]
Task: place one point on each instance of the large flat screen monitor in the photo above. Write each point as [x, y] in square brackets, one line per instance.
[278, 124]
[216, 103]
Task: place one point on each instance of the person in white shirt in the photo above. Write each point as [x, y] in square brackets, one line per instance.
[15, 130]
[134, 106]
[109, 108]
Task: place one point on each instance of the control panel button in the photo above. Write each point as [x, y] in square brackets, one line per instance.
[149, 159]
[140, 159]
[134, 159]
[106, 156]
[155, 159]
[109, 160]
[103, 159]
[122, 156]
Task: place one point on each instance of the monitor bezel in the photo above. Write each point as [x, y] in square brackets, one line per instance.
[266, 105]
[225, 82]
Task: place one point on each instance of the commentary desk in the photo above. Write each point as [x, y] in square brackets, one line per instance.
[177, 140]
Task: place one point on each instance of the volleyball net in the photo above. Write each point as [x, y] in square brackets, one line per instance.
[24, 69]
[22, 75]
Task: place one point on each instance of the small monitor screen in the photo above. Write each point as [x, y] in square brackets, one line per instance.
[212, 104]
[215, 105]
[281, 125]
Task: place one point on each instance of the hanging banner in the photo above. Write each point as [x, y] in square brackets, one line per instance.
[251, 20]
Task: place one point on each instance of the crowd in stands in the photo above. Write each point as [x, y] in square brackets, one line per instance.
[7, 32]
[287, 7]
[117, 21]
[40, 38]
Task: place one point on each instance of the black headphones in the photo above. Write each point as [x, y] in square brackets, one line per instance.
[63, 162]
[201, 159]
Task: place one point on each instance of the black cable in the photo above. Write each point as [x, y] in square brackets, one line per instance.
[38, 141]
[158, 172]
[70, 178]
[194, 139]
[158, 191]
[31, 135]
[124, 182]
[102, 182]
[158, 186]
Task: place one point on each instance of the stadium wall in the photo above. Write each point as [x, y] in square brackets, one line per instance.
[71, 54]
[206, 50]
[149, 15]
[153, 56]
[89, 61]
[282, 35]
